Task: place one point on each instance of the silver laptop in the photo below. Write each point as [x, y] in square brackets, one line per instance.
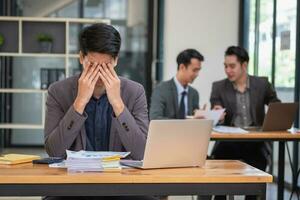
[279, 117]
[175, 143]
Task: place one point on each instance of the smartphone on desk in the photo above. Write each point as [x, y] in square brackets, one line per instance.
[49, 160]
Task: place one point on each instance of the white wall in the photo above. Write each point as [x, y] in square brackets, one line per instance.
[208, 26]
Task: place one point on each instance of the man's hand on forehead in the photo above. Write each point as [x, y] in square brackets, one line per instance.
[92, 63]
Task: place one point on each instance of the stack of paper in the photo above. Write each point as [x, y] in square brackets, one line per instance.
[10, 159]
[228, 129]
[93, 160]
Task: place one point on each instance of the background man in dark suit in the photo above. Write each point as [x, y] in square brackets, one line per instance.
[175, 98]
[98, 110]
[244, 98]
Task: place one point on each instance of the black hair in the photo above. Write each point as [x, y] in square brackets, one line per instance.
[185, 57]
[239, 52]
[100, 38]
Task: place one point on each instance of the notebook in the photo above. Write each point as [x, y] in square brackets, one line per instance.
[10, 159]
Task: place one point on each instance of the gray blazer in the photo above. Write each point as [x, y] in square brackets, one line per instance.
[164, 101]
[261, 94]
[64, 127]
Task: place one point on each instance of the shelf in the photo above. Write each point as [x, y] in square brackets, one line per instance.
[21, 126]
[74, 55]
[29, 63]
[9, 30]
[2, 90]
[56, 19]
[33, 55]
[31, 30]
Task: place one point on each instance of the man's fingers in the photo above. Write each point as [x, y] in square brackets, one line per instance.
[107, 71]
[86, 65]
[104, 75]
[94, 74]
[112, 70]
[91, 71]
[86, 70]
[94, 81]
[104, 80]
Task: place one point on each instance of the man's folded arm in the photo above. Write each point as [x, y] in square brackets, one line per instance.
[61, 129]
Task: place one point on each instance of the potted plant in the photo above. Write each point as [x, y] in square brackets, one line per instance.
[45, 42]
[1, 41]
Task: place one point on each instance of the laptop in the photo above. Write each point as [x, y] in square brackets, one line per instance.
[279, 117]
[175, 143]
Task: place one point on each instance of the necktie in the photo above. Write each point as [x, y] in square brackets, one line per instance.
[181, 112]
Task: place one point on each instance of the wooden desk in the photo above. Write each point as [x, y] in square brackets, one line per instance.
[280, 136]
[258, 136]
[217, 177]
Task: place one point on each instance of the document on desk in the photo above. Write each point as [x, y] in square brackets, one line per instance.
[229, 129]
[91, 161]
[294, 130]
[96, 154]
[214, 115]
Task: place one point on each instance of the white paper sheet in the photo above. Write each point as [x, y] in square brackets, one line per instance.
[214, 115]
[229, 129]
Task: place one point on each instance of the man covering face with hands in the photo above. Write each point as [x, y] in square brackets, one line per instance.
[97, 110]
[98, 79]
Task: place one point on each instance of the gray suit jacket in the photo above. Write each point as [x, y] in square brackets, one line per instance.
[64, 127]
[261, 94]
[164, 101]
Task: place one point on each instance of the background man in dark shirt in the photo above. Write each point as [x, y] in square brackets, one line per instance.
[244, 98]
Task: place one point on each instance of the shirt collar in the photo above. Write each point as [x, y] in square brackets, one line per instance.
[179, 87]
[247, 84]
[101, 97]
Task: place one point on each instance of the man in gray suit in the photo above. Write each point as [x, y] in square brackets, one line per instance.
[97, 110]
[244, 98]
[175, 98]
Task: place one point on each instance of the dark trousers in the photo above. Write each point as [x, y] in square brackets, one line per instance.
[251, 153]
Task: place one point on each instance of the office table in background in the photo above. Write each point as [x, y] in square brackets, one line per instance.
[276, 136]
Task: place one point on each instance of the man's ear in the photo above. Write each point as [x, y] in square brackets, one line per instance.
[182, 66]
[116, 61]
[245, 66]
[81, 57]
